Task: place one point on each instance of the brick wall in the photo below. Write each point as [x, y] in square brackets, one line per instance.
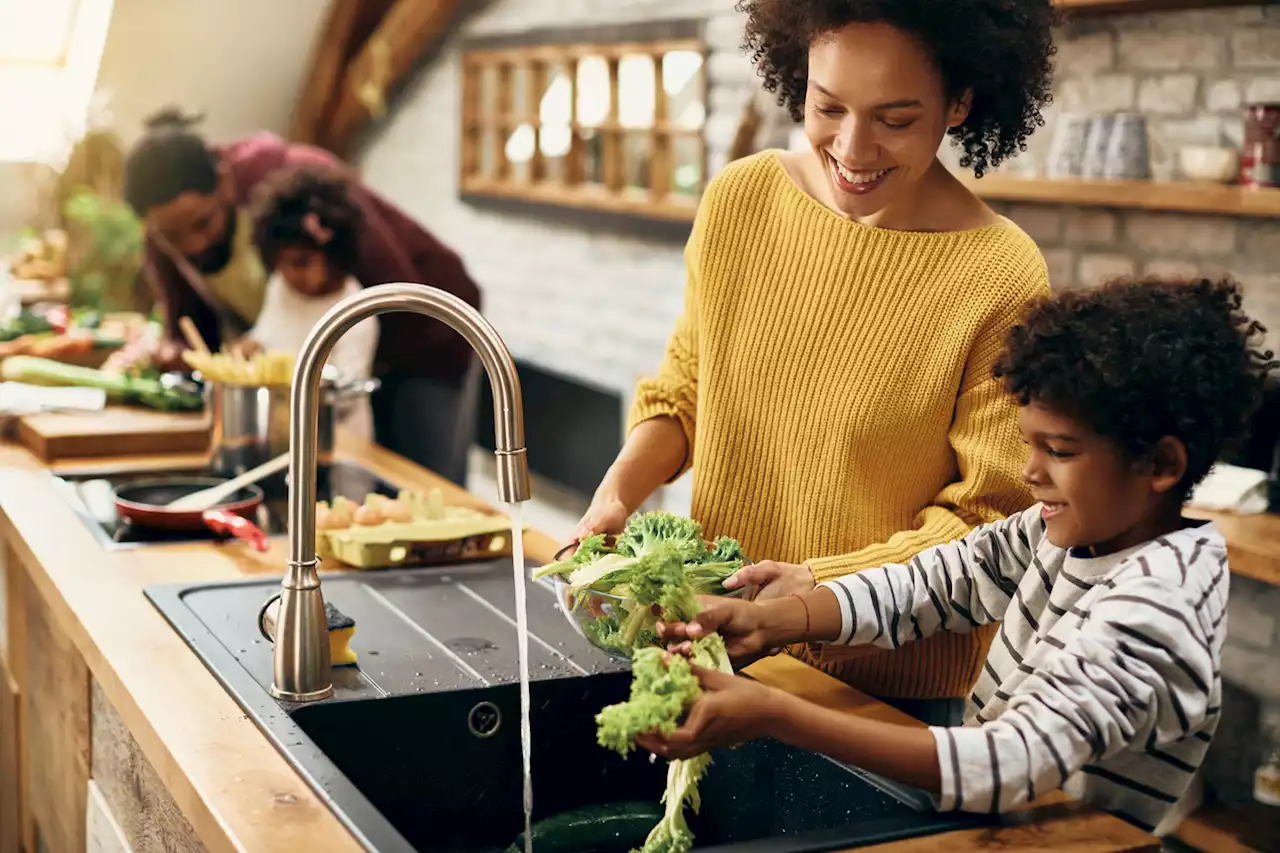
[596, 306]
[1189, 73]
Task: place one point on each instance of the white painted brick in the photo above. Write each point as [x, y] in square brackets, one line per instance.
[1090, 228]
[1256, 48]
[1086, 54]
[1042, 223]
[1061, 263]
[1096, 269]
[1181, 235]
[729, 68]
[1223, 96]
[1173, 94]
[1261, 237]
[724, 32]
[1250, 613]
[1100, 93]
[1156, 51]
[1168, 269]
[1262, 90]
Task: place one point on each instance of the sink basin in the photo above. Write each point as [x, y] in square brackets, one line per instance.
[419, 749]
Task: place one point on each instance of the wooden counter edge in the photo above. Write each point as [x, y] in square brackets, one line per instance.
[1055, 823]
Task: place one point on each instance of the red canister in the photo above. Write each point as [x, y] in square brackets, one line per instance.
[1260, 160]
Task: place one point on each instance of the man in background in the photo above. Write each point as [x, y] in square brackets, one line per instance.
[201, 262]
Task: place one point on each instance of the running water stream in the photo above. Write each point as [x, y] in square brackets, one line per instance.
[522, 632]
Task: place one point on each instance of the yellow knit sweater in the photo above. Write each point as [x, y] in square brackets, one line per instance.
[834, 382]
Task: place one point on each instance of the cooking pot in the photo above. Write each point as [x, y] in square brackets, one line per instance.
[250, 423]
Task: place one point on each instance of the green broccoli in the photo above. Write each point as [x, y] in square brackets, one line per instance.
[661, 691]
[645, 533]
[727, 550]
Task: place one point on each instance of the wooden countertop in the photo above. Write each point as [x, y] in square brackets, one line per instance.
[234, 788]
[1253, 543]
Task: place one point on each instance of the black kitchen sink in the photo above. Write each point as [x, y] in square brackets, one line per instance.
[420, 748]
[445, 770]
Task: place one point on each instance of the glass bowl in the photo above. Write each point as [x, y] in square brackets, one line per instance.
[601, 605]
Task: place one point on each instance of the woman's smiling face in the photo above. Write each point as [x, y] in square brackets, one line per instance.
[875, 113]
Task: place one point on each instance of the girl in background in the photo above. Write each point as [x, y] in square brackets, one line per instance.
[306, 228]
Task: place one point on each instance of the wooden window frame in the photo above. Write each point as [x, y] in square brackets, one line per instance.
[603, 203]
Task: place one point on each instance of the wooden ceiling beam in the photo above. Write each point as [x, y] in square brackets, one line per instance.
[348, 25]
[405, 33]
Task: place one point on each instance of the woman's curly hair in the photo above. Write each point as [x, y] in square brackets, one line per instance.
[1138, 360]
[289, 205]
[1000, 49]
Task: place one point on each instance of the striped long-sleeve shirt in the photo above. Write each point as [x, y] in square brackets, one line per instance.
[1104, 674]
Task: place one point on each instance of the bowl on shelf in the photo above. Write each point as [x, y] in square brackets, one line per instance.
[601, 605]
[1209, 163]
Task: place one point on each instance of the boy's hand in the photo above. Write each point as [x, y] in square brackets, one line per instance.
[742, 624]
[732, 710]
[774, 580]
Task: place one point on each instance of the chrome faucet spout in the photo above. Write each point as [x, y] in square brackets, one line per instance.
[301, 671]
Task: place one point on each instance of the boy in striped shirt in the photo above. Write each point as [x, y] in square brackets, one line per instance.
[1103, 678]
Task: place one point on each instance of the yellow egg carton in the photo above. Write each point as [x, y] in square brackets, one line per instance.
[409, 530]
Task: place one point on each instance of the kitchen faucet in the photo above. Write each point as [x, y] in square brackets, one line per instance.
[301, 633]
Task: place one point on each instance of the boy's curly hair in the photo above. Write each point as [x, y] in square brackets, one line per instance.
[280, 210]
[1138, 360]
[1001, 49]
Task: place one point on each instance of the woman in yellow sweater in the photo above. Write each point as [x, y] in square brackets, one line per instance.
[829, 381]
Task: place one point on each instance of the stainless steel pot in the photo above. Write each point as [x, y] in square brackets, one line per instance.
[250, 423]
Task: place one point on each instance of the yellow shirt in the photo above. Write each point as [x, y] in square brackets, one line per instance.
[241, 285]
[834, 383]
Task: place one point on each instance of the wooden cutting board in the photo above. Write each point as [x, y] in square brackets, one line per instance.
[115, 431]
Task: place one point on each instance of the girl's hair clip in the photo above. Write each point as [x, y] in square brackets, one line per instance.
[311, 224]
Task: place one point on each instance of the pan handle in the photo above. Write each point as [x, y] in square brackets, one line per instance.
[241, 528]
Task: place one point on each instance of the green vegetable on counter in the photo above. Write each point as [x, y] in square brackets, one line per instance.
[120, 388]
[26, 323]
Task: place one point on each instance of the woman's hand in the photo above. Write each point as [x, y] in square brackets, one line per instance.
[773, 580]
[605, 515]
[742, 624]
[731, 710]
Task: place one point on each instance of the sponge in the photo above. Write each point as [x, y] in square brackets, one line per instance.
[341, 629]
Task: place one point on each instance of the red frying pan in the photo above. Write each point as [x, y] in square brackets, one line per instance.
[145, 504]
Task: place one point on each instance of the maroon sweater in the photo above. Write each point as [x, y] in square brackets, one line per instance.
[392, 248]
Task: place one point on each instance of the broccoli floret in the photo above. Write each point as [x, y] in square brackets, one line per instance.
[727, 550]
[658, 580]
[645, 533]
[660, 692]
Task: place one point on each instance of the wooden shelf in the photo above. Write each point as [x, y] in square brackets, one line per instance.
[1167, 196]
[1121, 7]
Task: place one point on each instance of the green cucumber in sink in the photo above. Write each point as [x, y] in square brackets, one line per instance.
[610, 828]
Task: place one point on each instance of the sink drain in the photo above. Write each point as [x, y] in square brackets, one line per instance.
[484, 720]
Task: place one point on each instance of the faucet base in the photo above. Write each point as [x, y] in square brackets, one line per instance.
[302, 667]
[314, 696]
